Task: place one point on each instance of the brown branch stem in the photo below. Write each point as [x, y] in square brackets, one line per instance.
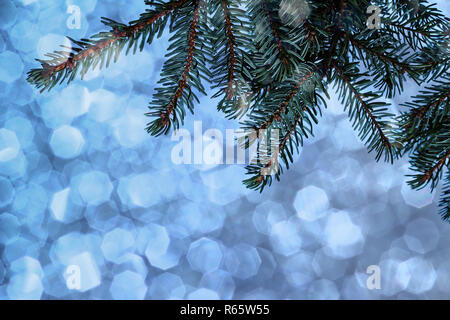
[117, 35]
[232, 58]
[437, 167]
[187, 68]
[363, 104]
[285, 103]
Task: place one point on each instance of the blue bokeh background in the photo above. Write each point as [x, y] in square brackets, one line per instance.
[82, 183]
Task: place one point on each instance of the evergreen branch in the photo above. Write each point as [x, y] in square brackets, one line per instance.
[166, 110]
[425, 132]
[231, 63]
[425, 30]
[429, 156]
[419, 123]
[362, 102]
[419, 112]
[385, 63]
[343, 7]
[429, 110]
[419, 30]
[278, 52]
[379, 53]
[434, 171]
[271, 62]
[276, 36]
[292, 110]
[103, 46]
[433, 62]
[273, 109]
[187, 68]
[428, 162]
[232, 54]
[419, 36]
[265, 168]
[275, 116]
[349, 15]
[377, 140]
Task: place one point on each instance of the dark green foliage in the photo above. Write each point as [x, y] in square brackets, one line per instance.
[367, 112]
[271, 61]
[425, 132]
[277, 55]
[103, 47]
[182, 71]
[231, 64]
[293, 110]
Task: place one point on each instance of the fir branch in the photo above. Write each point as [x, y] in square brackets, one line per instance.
[388, 60]
[231, 64]
[419, 30]
[278, 53]
[291, 110]
[429, 156]
[436, 169]
[433, 60]
[428, 111]
[170, 113]
[88, 53]
[187, 68]
[384, 62]
[419, 112]
[378, 139]
[272, 67]
[343, 6]
[425, 133]
[276, 116]
[232, 54]
[276, 36]
[263, 171]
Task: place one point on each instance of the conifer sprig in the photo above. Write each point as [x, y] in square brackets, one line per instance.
[425, 133]
[231, 64]
[271, 61]
[101, 48]
[290, 110]
[180, 74]
[368, 114]
[277, 55]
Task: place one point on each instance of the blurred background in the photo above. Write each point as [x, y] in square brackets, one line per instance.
[82, 184]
